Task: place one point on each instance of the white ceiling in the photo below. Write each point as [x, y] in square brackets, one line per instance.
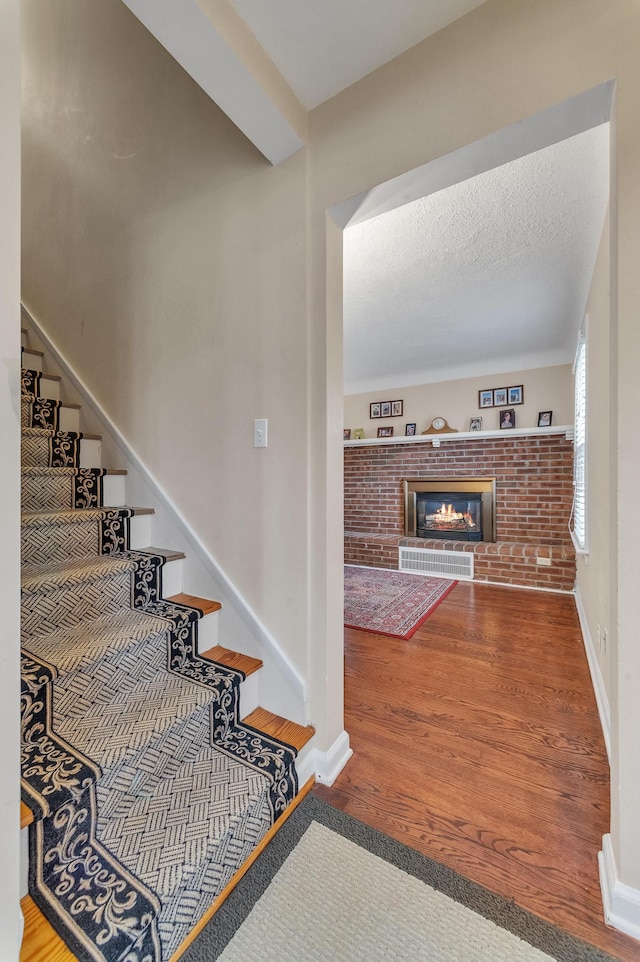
[488, 276]
[323, 46]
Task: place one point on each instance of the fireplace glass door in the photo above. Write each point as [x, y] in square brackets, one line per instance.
[453, 516]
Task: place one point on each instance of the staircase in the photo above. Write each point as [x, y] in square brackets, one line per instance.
[148, 769]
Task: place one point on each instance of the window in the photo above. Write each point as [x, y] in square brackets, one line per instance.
[579, 512]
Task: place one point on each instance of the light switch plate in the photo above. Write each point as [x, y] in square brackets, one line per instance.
[260, 433]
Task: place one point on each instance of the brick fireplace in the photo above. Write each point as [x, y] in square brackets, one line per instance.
[533, 494]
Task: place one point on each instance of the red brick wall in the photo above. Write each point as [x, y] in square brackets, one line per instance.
[534, 489]
[534, 483]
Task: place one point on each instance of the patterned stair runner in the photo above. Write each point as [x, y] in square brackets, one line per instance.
[148, 793]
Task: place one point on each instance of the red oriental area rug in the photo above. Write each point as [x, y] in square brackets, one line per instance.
[390, 602]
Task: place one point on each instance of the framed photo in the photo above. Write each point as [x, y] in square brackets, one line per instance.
[485, 399]
[544, 419]
[515, 395]
[396, 409]
[508, 418]
[499, 397]
[385, 409]
[346, 434]
[358, 434]
[385, 432]
[410, 430]
[475, 424]
[374, 409]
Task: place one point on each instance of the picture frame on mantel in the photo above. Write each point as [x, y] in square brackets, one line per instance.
[544, 419]
[475, 424]
[507, 418]
[410, 430]
[385, 432]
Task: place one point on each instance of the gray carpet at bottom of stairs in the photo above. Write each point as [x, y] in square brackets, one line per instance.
[330, 888]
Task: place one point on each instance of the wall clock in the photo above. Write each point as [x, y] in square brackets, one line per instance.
[440, 426]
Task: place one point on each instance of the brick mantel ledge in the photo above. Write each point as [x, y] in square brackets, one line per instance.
[500, 562]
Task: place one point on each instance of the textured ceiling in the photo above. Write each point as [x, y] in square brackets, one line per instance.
[487, 276]
[323, 47]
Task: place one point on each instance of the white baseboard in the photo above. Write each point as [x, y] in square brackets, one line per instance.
[621, 902]
[298, 683]
[326, 765]
[602, 699]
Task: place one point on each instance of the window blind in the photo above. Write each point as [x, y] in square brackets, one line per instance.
[579, 514]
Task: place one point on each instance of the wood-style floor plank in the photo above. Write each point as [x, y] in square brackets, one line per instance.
[477, 742]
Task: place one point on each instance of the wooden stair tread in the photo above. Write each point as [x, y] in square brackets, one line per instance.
[47, 377]
[32, 350]
[167, 553]
[41, 943]
[278, 727]
[26, 815]
[233, 659]
[204, 604]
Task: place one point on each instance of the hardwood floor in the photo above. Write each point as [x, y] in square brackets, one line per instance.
[477, 742]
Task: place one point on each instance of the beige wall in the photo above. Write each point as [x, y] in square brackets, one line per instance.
[545, 389]
[178, 272]
[10, 923]
[503, 62]
[593, 568]
[166, 258]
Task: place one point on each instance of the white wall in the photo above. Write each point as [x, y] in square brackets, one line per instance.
[10, 919]
[166, 258]
[593, 569]
[545, 389]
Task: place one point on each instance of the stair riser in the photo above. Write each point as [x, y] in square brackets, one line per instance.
[65, 607]
[40, 452]
[64, 418]
[31, 361]
[62, 491]
[57, 543]
[90, 453]
[49, 388]
[173, 578]
[69, 419]
[249, 694]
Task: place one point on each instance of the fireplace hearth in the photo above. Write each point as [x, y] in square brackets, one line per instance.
[451, 509]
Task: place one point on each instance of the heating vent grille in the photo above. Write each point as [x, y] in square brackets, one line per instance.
[438, 564]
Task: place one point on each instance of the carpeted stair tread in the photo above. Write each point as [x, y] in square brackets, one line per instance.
[38, 578]
[93, 639]
[37, 519]
[37, 471]
[30, 398]
[50, 433]
[208, 839]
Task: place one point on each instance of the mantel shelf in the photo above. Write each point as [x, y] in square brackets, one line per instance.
[436, 439]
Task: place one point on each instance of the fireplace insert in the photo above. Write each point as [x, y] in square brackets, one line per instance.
[454, 517]
[451, 509]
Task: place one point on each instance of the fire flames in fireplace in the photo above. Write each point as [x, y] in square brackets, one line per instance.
[443, 515]
[447, 519]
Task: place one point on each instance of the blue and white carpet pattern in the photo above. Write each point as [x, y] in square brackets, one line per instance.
[148, 792]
